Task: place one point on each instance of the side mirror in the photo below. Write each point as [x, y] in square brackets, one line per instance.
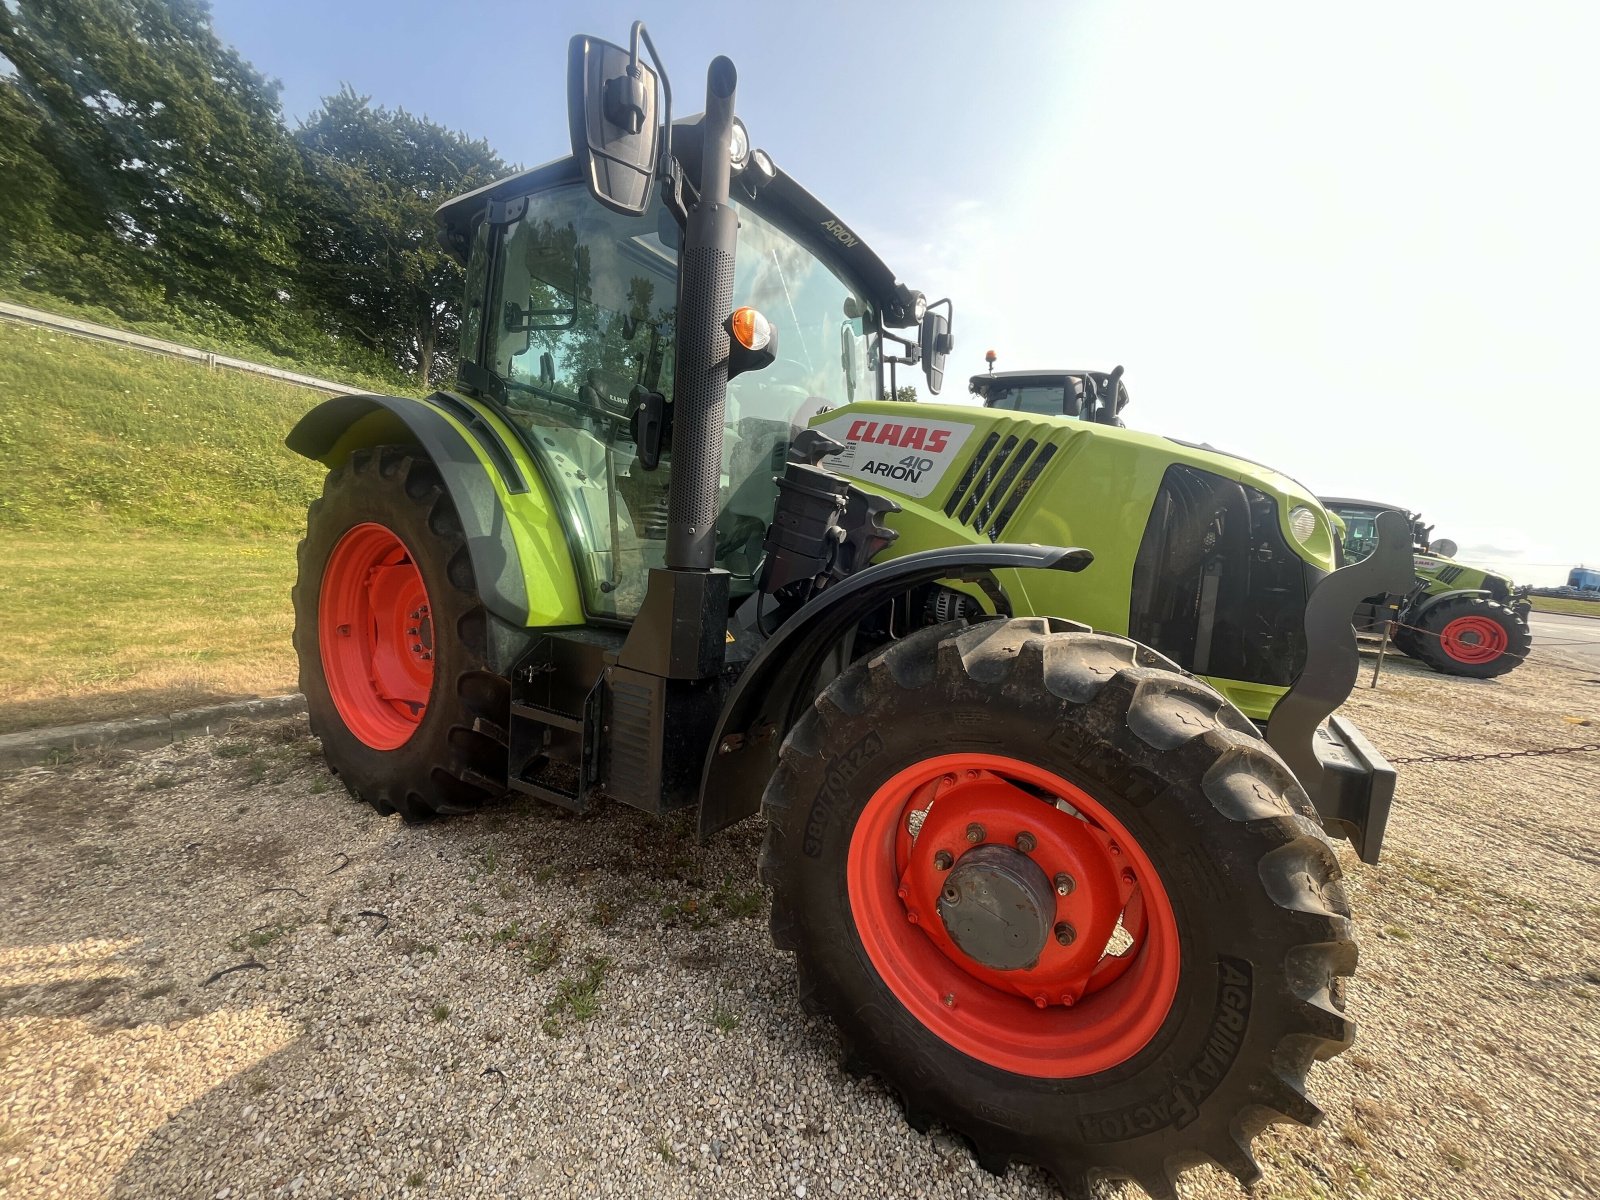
[1444, 548]
[611, 113]
[936, 345]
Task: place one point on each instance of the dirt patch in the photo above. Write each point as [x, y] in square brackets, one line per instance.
[220, 973]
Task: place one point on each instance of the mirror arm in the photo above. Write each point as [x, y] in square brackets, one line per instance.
[672, 180]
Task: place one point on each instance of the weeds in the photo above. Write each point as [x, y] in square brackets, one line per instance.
[578, 996]
[256, 939]
[540, 950]
[726, 903]
[440, 1013]
[543, 950]
[1458, 1159]
[724, 1018]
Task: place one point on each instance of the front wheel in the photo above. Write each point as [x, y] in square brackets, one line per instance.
[1471, 636]
[1062, 898]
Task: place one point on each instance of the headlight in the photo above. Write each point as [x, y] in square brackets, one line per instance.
[1302, 523]
[739, 146]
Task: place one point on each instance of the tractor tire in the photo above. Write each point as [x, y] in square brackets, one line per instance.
[392, 641]
[1160, 1001]
[1404, 640]
[1470, 636]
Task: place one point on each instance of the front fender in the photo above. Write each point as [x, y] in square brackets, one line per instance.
[523, 568]
[1430, 602]
[779, 683]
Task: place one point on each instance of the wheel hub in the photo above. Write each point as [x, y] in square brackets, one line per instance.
[998, 907]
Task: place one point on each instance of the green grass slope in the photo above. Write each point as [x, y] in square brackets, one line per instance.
[148, 518]
[98, 438]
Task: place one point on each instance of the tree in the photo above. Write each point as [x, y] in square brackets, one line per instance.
[906, 393]
[161, 152]
[369, 261]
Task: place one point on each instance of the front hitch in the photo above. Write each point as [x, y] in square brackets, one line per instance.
[1347, 779]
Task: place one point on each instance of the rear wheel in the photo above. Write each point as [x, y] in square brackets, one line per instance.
[1062, 898]
[392, 640]
[1471, 636]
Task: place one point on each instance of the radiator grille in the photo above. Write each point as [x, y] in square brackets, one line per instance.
[997, 480]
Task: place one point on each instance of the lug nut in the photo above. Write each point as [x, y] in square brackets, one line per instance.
[951, 896]
[1064, 884]
[949, 999]
[1067, 999]
[943, 860]
[1128, 875]
[1040, 1001]
[1026, 842]
[1065, 933]
[974, 833]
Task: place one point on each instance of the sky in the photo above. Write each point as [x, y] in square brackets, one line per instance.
[1355, 242]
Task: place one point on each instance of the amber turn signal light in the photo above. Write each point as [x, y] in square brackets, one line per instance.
[750, 328]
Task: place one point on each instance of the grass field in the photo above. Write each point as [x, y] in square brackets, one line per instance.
[148, 516]
[104, 627]
[1565, 604]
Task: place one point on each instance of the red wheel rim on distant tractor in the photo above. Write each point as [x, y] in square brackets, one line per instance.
[1474, 639]
[1107, 971]
[375, 628]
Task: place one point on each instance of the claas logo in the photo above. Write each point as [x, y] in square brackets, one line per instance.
[892, 433]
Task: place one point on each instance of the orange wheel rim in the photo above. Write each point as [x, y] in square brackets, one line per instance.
[375, 631]
[1474, 640]
[1107, 964]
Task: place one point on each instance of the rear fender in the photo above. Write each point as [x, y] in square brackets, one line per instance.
[524, 570]
[781, 680]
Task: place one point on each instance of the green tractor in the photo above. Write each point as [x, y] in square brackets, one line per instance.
[1458, 619]
[1046, 826]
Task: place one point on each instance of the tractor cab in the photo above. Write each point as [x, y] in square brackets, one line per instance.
[572, 324]
[1098, 396]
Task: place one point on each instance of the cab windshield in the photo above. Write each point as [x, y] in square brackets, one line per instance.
[582, 308]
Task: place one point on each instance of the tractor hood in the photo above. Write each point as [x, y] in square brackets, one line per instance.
[1166, 522]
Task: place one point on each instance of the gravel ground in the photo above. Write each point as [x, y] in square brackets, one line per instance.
[525, 1003]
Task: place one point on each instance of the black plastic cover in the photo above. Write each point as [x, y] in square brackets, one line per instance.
[1216, 586]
